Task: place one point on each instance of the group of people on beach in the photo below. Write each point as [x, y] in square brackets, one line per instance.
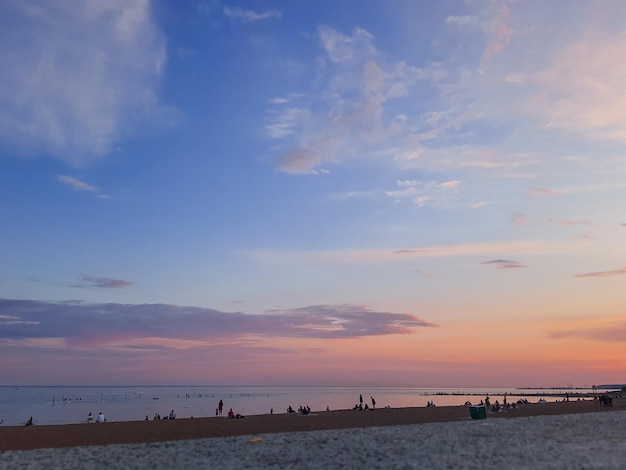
[157, 416]
[605, 400]
[99, 419]
[359, 406]
[505, 405]
[230, 414]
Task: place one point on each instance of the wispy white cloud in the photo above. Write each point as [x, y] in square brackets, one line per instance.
[79, 185]
[76, 184]
[278, 101]
[486, 159]
[422, 192]
[449, 184]
[352, 195]
[340, 48]
[249, 15]
[421, 200]
[284, 121]
[86, 77]
[351, 111]
[460, 20]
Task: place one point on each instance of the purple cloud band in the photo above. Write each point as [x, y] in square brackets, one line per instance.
[616, 272]
[612, 334]
[504, 264]
[83, 323]
[106, 282]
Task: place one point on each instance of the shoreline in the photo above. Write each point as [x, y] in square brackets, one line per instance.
[135, 432]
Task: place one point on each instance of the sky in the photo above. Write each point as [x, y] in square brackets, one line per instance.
[355, 192]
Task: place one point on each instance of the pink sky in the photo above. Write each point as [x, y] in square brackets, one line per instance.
[60, 343]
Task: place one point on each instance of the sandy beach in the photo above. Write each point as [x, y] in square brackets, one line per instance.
[135, 432]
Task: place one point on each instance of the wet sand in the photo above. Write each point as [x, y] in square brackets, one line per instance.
[74, 435]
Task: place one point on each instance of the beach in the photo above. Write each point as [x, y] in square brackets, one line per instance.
[574, 435]
[80, 435]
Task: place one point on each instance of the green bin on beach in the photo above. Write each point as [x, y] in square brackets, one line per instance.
[478, 412]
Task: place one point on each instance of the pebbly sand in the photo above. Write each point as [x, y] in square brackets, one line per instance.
[552, 435]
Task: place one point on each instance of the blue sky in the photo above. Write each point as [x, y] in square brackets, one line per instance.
[459, 162]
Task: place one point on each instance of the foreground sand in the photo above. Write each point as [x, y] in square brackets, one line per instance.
[73, 435]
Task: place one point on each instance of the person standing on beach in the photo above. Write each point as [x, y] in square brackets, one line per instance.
[361, 400]
[101, 418]
[220, 406]
[373, 403]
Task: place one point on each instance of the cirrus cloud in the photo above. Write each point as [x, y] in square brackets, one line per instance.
[86, 75]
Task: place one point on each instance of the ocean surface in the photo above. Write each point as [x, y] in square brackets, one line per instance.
[66, 405]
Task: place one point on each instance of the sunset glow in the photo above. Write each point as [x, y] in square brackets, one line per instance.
[213, 192]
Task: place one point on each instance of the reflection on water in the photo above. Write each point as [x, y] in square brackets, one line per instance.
[64, 405]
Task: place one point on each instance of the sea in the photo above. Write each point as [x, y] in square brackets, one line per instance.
[72, 404]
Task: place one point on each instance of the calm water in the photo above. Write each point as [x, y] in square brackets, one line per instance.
[47, 404]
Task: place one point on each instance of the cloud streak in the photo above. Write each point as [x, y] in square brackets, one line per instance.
[568, 222]
[614, 273]
[504, 264]
[249, 15]
[76, 184]
[104, 282]
[389, 255]
[612, 334]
